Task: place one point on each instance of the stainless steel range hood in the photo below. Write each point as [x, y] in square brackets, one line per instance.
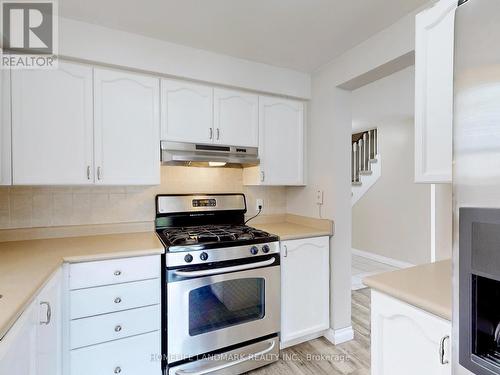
[202, 155]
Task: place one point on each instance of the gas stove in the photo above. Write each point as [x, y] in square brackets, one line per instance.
[198, 229]
[221, 286]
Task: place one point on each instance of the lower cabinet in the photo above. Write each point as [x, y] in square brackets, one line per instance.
[18, 346]
[113, 317]
[305, 289]
[33, 345]
[407, 340]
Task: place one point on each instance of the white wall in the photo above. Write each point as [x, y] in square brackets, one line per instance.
[393, 218]
[85, 41]
[329, 151]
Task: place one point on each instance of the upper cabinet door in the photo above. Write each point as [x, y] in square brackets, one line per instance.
[5, 127]
[186, 112]
[127, 128]
[52, 126]
[236, 118]
[434, 48]
[281, 141]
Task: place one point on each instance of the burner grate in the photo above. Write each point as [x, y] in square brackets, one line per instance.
[180, 236]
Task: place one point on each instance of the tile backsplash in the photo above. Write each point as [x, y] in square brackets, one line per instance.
[29, 207]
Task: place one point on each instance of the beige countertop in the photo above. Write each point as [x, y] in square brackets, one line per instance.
[428, 286]
[291, 227]
[25, 266]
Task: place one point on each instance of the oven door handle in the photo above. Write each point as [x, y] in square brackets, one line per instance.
[229, 364]
[217, 271]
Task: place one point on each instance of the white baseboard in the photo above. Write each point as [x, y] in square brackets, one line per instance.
[382, 259]
[339, 336]
[302, 339]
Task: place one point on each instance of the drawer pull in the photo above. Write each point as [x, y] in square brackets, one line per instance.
[118, 370]
[118, 300]
[118, 273]
[118, 328]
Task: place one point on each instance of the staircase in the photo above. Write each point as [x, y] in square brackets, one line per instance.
[365, 162]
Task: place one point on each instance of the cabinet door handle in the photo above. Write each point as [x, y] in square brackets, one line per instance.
[118, 300]
[99, 173]
[218, 133]
[118, 328]
[262, 176]
[211, 133]
[118, 273]
[285, 253]
[88, 172]
[442, 360]
[118, 370]
[49, 313]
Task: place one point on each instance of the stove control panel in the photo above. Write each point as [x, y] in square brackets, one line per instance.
[192, 256]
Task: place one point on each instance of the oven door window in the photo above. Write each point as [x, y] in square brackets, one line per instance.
[224, 304]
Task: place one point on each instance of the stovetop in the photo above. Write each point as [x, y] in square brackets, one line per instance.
[211, 236]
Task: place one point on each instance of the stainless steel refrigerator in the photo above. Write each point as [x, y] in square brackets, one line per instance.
[476, 188]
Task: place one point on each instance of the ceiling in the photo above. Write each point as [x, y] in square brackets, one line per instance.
[297, 34]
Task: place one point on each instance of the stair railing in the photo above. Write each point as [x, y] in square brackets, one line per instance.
[364, 152]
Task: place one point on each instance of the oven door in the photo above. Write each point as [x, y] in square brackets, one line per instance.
[207, 312]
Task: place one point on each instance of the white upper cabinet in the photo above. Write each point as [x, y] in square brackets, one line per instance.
[127, 128]
[52, 126]
[236, 118]
[434, 48]
[5, 127]
[281, 144]
[186, 112]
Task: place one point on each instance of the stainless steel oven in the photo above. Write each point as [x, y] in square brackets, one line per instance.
[217, 307]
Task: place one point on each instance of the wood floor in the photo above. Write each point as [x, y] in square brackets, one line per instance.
[319, 356]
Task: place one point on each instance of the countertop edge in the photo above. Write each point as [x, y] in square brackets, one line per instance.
[418, 302]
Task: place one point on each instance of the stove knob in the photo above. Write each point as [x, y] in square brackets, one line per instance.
[203, 256]
[254, 250]
[265, 249]
[188, 258]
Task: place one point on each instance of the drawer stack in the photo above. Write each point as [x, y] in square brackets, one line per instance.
[115, 317]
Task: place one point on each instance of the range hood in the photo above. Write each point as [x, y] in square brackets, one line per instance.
[203, 155]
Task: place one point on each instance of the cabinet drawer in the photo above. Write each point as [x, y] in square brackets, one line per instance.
[102, 328]
[106, 272]
[133, 356]
[112, 298]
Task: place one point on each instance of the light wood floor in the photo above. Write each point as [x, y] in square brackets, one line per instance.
[319, 356]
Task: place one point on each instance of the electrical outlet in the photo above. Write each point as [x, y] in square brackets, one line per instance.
[259, 203]
[319, 197]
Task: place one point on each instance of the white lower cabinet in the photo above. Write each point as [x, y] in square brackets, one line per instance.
[49, 327]
[134, 356]
[113, 322]
[305, 289]
[33, 345]
[407, 340]
[18, 346]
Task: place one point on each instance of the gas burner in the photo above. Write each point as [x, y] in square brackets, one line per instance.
[206, 234]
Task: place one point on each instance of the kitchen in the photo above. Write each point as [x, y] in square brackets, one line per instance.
[142, 173]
